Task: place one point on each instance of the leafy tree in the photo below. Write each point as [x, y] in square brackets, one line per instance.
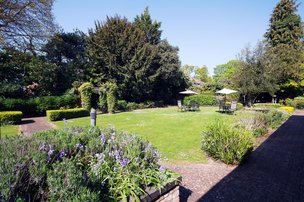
[170, 79]
[67, 51]
[252, 76]
[18, 70]
[26, 24]
[224, 72]
[285, 48]
[151, 29]
[285, 25]
[202, 74]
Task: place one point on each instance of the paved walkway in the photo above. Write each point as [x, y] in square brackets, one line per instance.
[32, 125]
[273, 172]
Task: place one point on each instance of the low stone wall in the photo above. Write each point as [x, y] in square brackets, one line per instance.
[170, 193]
[171, 196]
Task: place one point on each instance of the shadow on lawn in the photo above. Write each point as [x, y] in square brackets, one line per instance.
[23, 122]
[273, 172]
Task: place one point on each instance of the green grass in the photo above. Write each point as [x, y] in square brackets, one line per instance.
[176, 134]
[9, 130]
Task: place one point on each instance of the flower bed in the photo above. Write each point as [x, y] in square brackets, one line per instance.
[79, 164]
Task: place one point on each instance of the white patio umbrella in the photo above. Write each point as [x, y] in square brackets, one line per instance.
[226, 91]
[188, 92]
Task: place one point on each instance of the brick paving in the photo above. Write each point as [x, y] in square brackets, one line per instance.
[32, 125]
[273, 172]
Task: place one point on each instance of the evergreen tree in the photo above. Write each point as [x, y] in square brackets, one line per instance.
[151, 29]
[285, 25]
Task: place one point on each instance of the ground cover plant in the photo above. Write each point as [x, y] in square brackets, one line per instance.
[79, 164]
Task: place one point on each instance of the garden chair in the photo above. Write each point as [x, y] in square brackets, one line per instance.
[221, 106]
[233, 107]
[180, 106]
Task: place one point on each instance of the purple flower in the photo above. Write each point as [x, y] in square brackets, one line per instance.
[162, 169]
[103, 138]
[62, 153]
[100, 157]
[79, 146]
[51, 150]
[148, 147]
[111, 154]
[124, 162]
[43, 147]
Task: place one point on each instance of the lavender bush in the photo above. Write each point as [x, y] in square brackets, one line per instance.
[79, 164]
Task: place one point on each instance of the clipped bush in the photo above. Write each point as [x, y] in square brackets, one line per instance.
[79, 164]
[202, 100]
[290, 110]
[270, 105]
[133, 106]
[111, 96]
[227, 143]
[55, 115]
[10, 117]
[86, 90]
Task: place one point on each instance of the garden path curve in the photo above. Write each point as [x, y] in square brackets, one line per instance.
[273, 172]
[32, 125]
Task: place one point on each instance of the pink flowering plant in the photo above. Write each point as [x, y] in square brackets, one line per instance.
[80, 164]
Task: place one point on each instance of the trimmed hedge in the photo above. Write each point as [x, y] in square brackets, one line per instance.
[274, 105]
[8, 117]
[297, 102]
[202, 99]
[55, 115]
[39, 105]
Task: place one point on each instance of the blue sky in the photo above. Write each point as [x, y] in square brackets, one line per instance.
[207, 32]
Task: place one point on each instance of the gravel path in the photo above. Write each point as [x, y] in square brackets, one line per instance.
[29, 126]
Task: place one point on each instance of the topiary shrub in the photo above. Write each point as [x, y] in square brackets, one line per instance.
[86, 90]
[10, 117]
[227, 143]
[79, 164]
[55, 115]
[111, 96]
[202, 100]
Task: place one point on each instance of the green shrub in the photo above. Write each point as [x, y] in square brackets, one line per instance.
[297, 102]
[255, 122]
[55, 115]
[274, 105]
[39, 105]
[227, 143]
[111, 96]
[290, 110]
[133, 106]
[202, 100]
[122, 105]
[275, 118]
[8, 117]
[79, 164]
[103, 100]
[86, 90]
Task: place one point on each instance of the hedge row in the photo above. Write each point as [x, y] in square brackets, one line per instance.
[202, 100]
[274, 105]
[9, 117]
[38, 105]
[55, 115]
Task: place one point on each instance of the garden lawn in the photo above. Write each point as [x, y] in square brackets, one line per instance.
[9, 130]
[176, 134]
